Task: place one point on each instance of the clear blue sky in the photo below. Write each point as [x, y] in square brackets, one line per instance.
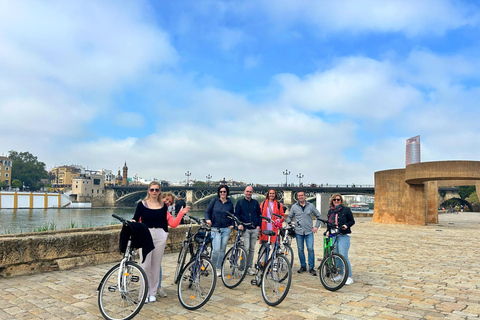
[240, 89]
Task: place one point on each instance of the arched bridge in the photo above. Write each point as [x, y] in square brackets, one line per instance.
[198, 197]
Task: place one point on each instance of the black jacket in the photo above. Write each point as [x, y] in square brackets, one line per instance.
[345, 217]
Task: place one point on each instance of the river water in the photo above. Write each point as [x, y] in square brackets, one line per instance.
[28, 220]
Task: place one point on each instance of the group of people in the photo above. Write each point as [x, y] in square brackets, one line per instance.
[155, 211]
[248, 210]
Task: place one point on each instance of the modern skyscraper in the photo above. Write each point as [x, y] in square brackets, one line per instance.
[413, 151]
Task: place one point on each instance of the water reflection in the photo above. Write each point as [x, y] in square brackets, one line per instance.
[28, 220]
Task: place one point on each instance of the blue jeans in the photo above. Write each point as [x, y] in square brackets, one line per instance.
[308, 240]
[219, 245]
[342, 246]
[160, 282]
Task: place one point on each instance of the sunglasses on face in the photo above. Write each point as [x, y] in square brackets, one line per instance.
[337, 199]
[222, 191]
[154, 190]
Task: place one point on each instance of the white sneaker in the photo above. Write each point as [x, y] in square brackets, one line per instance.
[219, 272]
[338, 278]
[251, 272]
[152, 299]
[349, 281]
[161, 293]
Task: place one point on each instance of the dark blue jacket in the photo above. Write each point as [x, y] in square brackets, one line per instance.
[249, 211]
[217, 213]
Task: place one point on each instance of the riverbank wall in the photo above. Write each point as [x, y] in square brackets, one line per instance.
[30, 253]
[31, 200]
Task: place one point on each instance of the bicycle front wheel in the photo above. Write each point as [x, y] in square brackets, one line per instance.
[122, 292]
[333, 271]
[276, 281]
[196, 283]
[182, 255]
[234, 267]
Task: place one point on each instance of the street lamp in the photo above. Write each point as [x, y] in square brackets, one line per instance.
[209, 176]
[188, 174]
[300, 176]
[286, 173]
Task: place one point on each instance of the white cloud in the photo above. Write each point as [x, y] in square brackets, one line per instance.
[410, 17]
[355, 86]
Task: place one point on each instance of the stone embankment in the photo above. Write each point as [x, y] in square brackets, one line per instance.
[31, 253]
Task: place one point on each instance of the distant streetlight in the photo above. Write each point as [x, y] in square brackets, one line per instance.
[188, 174]
[300, 176]
[286, 173]
[209, 176]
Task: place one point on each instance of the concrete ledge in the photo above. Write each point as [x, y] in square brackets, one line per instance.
[31, 253]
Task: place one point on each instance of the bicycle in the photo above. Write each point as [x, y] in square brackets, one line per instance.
[287, 234]
[185, 249]
[234, 264]
[273, 271]
[198, 278]
[123, 289]
[333, 269]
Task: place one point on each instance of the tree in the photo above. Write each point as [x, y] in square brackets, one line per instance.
[3, 184]
[16, 183]
[27, 169]
[465, 191]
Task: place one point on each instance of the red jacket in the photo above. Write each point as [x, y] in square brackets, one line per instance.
[278, 209]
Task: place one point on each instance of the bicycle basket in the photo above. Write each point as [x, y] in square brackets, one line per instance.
[200, 235]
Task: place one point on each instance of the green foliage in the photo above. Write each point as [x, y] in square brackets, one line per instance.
[49, 226]
[199, 184]
[27, 169]
[16, 183]
[473, 198]
[3, 184]
[465, 191]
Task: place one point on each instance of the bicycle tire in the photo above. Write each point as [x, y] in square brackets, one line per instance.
[288, 253]
[234, 267]
[182, 256]
[197, 283]
[333, 271]
[260, 264]
[276, 281]
[113, 303]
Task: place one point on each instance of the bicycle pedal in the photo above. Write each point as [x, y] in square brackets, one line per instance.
[254, 282]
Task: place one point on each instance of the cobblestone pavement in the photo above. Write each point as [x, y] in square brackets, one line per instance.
[400, 272]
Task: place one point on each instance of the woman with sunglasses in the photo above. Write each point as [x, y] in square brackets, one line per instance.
[216, 216]
[153, 212]
[342, 217]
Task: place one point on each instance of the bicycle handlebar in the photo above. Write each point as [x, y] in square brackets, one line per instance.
[278, 224]
[122, 220]
[237, 221]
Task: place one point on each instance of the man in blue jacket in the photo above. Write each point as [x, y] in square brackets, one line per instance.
[303, 212]
[248, 210]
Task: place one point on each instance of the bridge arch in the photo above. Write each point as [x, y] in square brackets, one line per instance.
[410, 195]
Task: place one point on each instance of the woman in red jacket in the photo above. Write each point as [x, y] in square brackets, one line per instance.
[268, 207]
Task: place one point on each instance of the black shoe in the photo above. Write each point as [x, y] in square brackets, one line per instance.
[302, 270]
[312, 272]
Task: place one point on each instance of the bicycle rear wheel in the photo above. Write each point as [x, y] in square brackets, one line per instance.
[182, 255]
[122, 297]
[276, 281]
[333, 271]
[234, 267]
[287, 252]
[197, 283]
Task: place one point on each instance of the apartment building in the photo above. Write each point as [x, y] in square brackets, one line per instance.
[6, 170]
